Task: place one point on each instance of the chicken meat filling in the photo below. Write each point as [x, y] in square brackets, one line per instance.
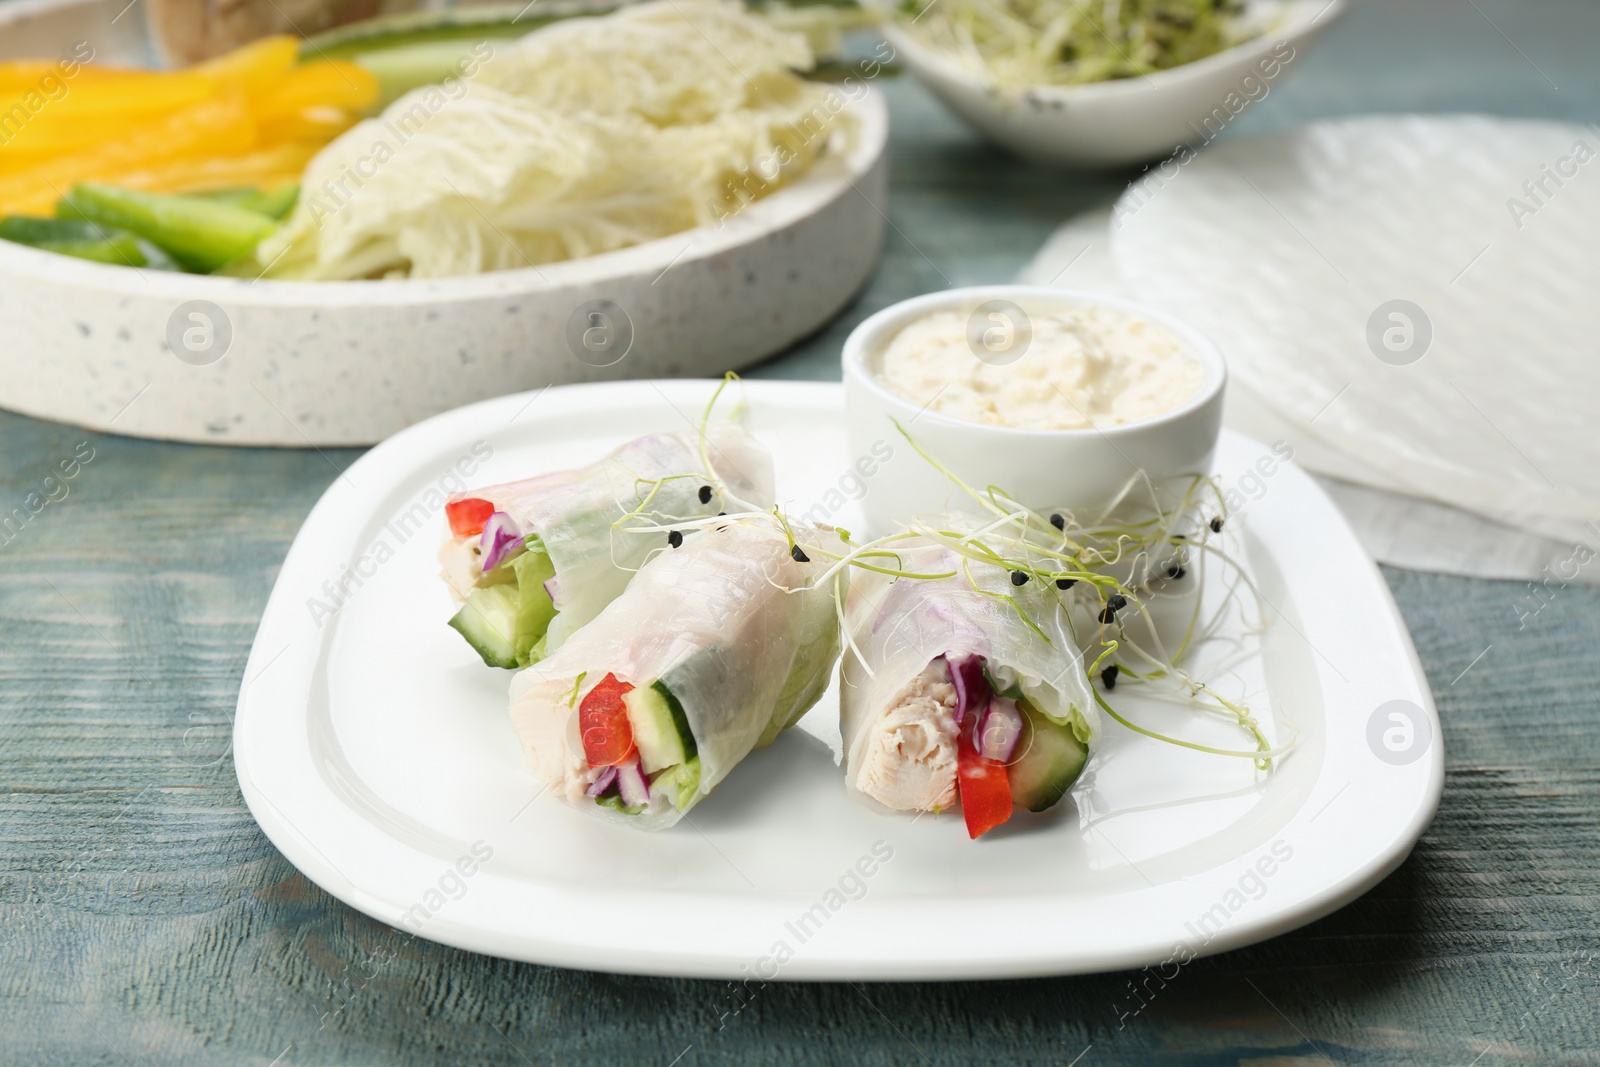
[910, 758]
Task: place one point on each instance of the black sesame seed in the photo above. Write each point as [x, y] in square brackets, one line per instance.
[1066, 583]
[1176, 571]
[1117, 602]
[799, 555]
[1058, 522]
[1216, 525]
[1108, 614]
[1109, 676]
[1019, 577]
[675, 538]
[721, 513]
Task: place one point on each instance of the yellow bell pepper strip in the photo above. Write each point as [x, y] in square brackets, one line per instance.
[133, 92]
[253, 67]
[99, 112]
[319, 124]
[22, 75]
[325, 84]
[216, 127]
[265, 168]
[253, 117]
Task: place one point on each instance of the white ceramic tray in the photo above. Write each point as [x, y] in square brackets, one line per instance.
[348, 363]
[376, 752]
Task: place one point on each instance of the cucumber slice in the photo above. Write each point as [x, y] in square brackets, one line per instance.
[534, 607]
[477, 22]
[660, 728]
[402, 69]
[408, 50]
[83, 240]
[506, 618]
[30, 231]
[200, 234]
[1052, 758]
[488, 620]
[273, 203]
[120, 251]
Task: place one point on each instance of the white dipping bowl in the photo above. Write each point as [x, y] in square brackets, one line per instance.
[1129, 120]
[1084, 471]
[351, 362]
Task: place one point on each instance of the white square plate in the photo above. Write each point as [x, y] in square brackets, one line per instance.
[376, 752]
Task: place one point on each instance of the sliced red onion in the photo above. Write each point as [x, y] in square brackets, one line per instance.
[972, 688]
[999, 730]
[602, 783]
[500, 536]
[632, 783]
[552, 590]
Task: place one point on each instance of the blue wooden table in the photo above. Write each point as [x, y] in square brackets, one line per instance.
[145, 919]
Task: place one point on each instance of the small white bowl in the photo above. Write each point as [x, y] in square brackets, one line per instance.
[1084, 471]
[1129, 120]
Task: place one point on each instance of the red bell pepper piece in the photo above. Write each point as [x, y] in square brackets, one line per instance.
[603, 723]
[468, 516]
[982, 784]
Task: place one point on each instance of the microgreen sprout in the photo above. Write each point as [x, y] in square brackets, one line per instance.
[1018, 45]
[1107, 567]
[571, 695]
[1115, 566]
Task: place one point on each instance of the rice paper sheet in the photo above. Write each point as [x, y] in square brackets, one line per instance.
[729, 621]
[897, 626]
[576, 512]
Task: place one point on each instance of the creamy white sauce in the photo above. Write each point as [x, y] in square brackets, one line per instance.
[1083, 366]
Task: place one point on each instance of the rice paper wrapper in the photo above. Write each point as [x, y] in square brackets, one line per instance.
[729, 621]
[659, 476]
[898, 626]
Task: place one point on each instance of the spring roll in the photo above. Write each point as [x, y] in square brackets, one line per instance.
[950, 695]
[719, 644]
[532, 561]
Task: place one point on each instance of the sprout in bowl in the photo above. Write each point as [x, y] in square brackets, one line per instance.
[1062, 87]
